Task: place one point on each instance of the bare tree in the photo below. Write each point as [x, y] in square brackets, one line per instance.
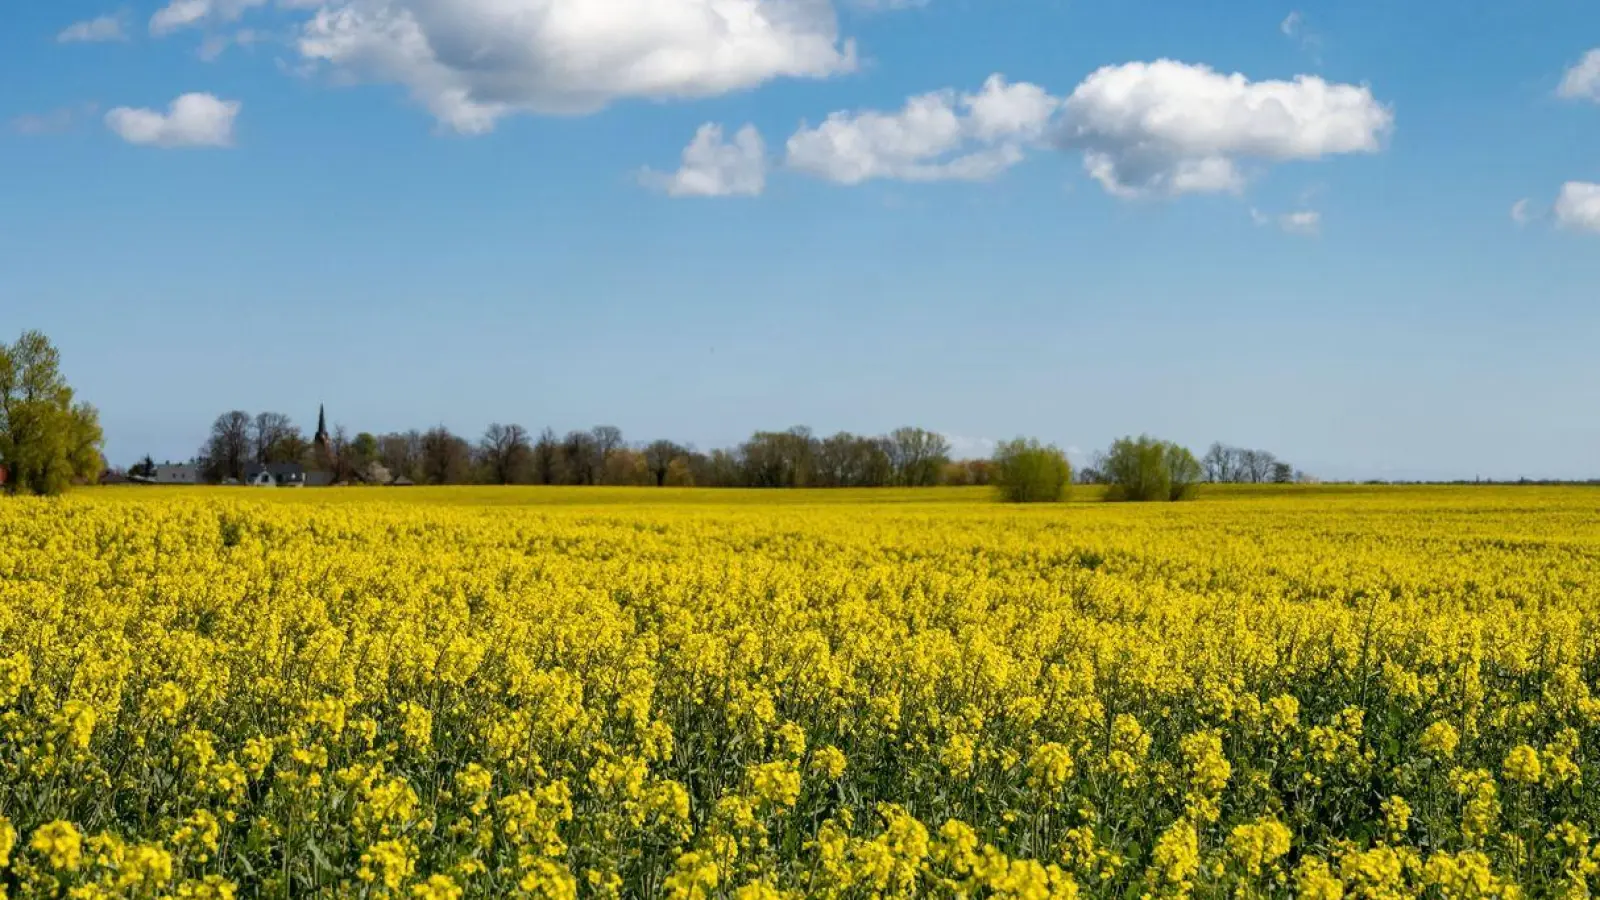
[581, 459]
[1258, 465]
[270, 438]
[778, 459]
[401, 454]
[227, 451]
[719, 468]
[1219, 463]
[919, 456]
[506, 454]
[849, 460]
[343, 461]
[659, 456]
[607, 440]
[446, 459]
[547, 468]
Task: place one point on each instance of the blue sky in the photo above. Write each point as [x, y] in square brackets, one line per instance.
[1375, 250]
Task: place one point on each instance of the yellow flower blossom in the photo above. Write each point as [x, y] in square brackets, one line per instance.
[60, 843]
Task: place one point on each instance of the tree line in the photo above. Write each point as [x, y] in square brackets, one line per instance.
[511, 454]
[1235, 465]
[1133, 468]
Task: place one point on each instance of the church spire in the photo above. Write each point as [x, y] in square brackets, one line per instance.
[321, 439]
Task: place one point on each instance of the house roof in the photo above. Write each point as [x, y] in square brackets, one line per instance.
[276, 470]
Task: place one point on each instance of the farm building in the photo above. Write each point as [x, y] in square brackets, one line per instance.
[177, 473]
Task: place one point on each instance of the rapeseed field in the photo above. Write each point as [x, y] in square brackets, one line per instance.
[1377, 693]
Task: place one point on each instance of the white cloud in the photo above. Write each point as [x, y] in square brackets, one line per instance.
[180, 14]
[1305, 222]
[1520, 212]
[472, 62]
[101, 28]
[192, 120]
[1582, 81]
[1291, 24]
[934, 137]
[713, 167]
[1578, 207]
[1004, 111]
[1171, 128]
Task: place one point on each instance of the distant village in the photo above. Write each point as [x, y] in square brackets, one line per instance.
[272, 475]
[265, 475]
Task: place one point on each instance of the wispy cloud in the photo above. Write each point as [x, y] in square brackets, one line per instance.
[96, 30]
[55, 121]
[1295, 28]
[1303, 222]
[214, 45]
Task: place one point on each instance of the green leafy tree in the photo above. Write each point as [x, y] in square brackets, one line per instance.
[47, 441]
[1144, 469]
[1026, 471]
[1184, 473]
[364, 451]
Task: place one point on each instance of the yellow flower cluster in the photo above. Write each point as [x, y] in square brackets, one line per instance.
[1319, 693]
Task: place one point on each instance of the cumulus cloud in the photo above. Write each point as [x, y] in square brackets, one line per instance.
[1578, 207]
[99, 29]
[1521, 212]
[713, 167]
[1582, 81]
[472, 62]
[1172, 128]
[934, 137]
[192, 120]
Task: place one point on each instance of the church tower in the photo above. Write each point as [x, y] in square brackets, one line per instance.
[320, 441]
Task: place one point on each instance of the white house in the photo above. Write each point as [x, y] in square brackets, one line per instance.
[275, 475]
